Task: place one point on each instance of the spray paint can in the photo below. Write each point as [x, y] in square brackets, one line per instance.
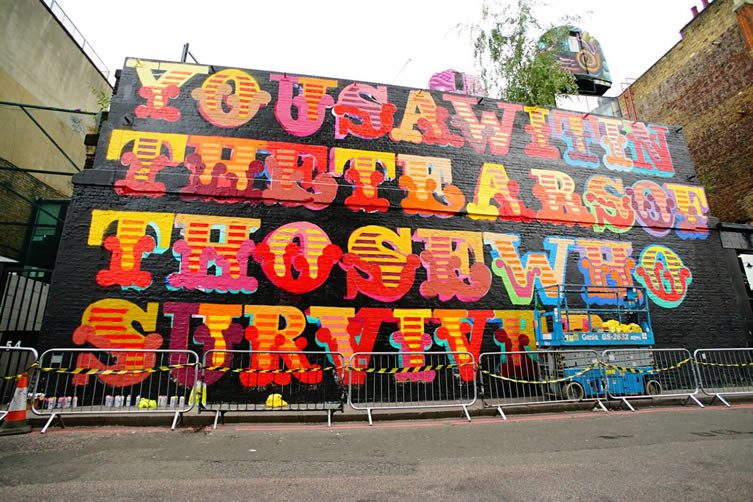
[128, 401]
[108, 401]
[173, 401]
[74, 403]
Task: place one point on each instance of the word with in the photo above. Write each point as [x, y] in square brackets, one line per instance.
[267, 329]
[230, 98]
[241, 170]
[215, 252]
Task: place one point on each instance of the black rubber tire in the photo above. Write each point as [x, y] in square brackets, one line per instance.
[653, 388]
[574, 391]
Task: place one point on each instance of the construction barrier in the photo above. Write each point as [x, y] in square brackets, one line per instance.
[404, 380]
[650, 373]
[14, 363]
[107, 381]
[725, 372]
[242, 380]
[523, 378]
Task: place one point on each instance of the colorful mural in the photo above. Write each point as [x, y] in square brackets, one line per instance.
[305, 213]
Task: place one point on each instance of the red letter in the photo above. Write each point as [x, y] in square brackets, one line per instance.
[158, 91]
[130, 244]
[487, 130]
[366, 171]
[266, 336]
[109, 324]
[363, 111]
[301, 246]
[385, 259]
[311, 102]
[560, 204]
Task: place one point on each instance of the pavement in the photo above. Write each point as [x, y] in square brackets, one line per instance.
[667, 453]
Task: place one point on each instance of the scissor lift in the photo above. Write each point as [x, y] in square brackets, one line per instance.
[595, 318]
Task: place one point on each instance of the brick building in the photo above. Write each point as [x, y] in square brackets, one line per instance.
[46, 67]
[51, 86]
[705, 84]
[244, 209]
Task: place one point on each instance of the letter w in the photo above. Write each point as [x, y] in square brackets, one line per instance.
[521, 275]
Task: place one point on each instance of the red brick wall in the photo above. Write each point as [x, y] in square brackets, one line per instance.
[705, 84]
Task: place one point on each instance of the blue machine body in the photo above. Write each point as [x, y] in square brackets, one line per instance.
[595, 318]
[576, 316]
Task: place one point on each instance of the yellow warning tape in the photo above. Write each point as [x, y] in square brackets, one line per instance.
[557, 380]
[411, 369]
[16, 377]
[95, 371]
[224, 369]
[651, 371]
[12, 377]
[388, 371]
[727, 365]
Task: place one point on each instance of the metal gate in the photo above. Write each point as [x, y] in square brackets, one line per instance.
[22, 304]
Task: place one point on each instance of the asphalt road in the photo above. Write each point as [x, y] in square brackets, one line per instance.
[655, 454]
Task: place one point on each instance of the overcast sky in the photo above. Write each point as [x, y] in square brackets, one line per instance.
[401, 42]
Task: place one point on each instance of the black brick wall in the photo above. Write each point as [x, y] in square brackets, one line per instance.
[706, 317]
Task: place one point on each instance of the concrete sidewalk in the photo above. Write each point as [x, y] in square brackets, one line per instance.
[195, 419]
[662, 453]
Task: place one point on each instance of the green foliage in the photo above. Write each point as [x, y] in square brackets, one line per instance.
[103, 98]
[517, 55]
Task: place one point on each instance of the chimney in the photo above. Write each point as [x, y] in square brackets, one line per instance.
[694, 10]
[705, 3]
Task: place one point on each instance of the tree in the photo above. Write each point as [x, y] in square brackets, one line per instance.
[518, 56]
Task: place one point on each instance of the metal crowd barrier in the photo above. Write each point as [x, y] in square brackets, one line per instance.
[403, 380]
[242, 380]
[522, 378]
[14, 362]
[104, 381]
[725, 372]
[650, 373]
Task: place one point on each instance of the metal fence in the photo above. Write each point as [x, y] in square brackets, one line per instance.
[725, 372]
[522, 378]
[402, 380]
[243, 380]
[650, 373]
[14, 362]
[110, 381]
[23, 299]
[97, 381]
